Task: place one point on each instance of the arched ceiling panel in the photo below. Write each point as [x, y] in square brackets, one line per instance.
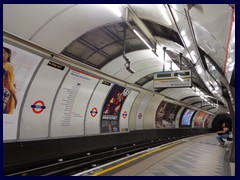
[192, 100]
[152, 12]
[71, 24]
[149, 85]
[220, 13]
[117, 64]
[141, 73]
[178, 93]
[17, 18]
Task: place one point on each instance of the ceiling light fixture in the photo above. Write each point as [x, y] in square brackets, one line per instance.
[143, 40]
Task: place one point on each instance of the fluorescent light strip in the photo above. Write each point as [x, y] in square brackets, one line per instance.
[143, 40]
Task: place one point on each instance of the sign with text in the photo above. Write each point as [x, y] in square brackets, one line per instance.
[170, 79]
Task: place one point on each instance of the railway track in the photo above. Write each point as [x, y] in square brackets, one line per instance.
[90, 159]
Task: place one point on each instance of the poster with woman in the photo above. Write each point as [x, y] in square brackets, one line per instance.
[18, 68]
[112, 108]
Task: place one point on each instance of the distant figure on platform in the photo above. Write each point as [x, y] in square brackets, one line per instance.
[223, 134]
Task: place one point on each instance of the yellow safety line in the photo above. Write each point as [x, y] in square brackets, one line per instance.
[134, 159]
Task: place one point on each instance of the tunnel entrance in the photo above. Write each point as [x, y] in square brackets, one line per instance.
[219, 120]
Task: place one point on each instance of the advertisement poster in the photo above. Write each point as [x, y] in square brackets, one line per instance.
[206, 121]
[18, 68]
[165, 115]
[198, 120]
[71, 104]
[112, 108]
[186, 118]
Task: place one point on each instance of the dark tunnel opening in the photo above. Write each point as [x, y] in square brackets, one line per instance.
[219, 120]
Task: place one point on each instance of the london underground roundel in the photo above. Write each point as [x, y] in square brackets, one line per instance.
[38, 107]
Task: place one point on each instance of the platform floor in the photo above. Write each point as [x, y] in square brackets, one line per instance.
[193, 156]
[201, 156]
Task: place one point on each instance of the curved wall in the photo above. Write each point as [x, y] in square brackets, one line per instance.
[63, 99]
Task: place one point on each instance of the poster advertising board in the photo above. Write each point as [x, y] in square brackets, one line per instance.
[207, 121]
[112, 108]
[198, 119]
[165, 115]
[187, 116]
[18, 68]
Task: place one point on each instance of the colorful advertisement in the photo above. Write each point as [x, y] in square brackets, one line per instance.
[112, 108]
[198, 120]
[18, 69]
[187, 116]
[165, 115]
[206, 121]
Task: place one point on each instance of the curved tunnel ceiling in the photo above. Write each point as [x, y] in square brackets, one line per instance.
[102, 48]
[73, 30]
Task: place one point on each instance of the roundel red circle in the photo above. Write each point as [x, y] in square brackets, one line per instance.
[94, 112]
[38, 107]
[124, 114]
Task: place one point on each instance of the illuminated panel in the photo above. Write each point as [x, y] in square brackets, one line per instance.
[112, 108]
[187, 116]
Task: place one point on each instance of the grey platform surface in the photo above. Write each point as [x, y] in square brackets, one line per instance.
[196, 157]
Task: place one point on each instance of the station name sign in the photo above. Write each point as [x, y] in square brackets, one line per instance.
[172, 79]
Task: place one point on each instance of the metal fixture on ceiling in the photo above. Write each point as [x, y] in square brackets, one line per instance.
[131, 14]
[127, 64]
[197, 62]
[108, 45]
[201, 62]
